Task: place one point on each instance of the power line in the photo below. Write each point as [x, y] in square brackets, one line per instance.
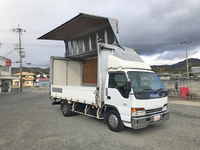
[9, 52]
[42, 45]
[5, 30]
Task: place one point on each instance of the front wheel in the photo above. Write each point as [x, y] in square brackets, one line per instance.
[66, 109]
[114, 121]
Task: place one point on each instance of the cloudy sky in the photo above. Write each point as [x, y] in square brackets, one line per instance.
[154, 27]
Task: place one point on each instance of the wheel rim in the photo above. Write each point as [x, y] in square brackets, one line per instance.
[113, 121]
[64, 109]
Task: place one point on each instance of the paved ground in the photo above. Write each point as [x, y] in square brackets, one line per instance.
[185, 101]
[29, 121]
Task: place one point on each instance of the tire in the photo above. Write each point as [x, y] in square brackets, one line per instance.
[114, 121]
[66, 109]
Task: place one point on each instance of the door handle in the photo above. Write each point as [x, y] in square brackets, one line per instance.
[108, 97]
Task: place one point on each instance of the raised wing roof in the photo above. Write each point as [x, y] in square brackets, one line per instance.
[80, 25]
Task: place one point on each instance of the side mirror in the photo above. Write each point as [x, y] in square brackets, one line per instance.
[167, 92]
[128, 86]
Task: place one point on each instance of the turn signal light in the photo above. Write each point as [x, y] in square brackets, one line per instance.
[164, 107]
[138, 111]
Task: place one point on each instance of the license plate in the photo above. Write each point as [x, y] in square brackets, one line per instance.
[156, 118]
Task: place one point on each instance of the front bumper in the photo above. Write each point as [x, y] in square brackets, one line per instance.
[144, 121]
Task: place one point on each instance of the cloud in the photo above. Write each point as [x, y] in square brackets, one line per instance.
[154, 28]
[162, 26]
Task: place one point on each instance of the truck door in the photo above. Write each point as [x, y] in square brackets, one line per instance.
[65, 72]
[118, 96]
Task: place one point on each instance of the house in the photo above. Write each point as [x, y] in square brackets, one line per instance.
[164, 76]
[5, 75]
[43, 82]
[27, 78]
[41, 76]
[176, 76]
[195, 70]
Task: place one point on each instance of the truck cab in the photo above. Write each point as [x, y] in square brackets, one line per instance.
[138, 96]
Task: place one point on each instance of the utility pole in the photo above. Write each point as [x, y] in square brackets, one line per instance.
[186, 42]
[19, 30]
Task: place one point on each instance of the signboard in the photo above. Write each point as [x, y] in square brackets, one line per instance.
[8, 62]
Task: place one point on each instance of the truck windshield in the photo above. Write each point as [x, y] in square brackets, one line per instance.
[146, 85]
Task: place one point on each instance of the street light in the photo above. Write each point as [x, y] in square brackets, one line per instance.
[186, 42]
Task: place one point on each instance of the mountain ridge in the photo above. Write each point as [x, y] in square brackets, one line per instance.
[174, 68]
[181, 64]
[177, 67]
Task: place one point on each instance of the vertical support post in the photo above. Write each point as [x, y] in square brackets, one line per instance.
[83, 42]
[20, 54]
[72, 48]
[186, 42]
[187, 60]
[66, 49]
[99, 73]
[77, 46]
[105, 36]
[97, 38]
[90, 43]
[19, 30]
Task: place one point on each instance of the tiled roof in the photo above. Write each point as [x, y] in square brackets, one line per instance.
[28, 79]
[24, 74]
[163, 74]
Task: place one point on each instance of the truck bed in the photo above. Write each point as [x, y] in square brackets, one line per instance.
[82, 94]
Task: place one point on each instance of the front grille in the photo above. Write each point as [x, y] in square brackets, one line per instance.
[153, 111]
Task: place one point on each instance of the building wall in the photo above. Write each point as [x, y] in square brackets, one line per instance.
[194, 85]
[16, 83]
[43, 84]
[2, 61]
[5, 70]
[7, 73]
[28, 83]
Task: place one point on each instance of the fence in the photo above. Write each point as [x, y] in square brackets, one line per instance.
[192, 84]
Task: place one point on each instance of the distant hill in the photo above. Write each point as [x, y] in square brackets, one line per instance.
[175, 68]
[35, 70]
[182, 64]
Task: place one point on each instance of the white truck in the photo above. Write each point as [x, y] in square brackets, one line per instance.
[101, 79]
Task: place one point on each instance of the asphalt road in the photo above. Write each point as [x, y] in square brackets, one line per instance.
[29, 121]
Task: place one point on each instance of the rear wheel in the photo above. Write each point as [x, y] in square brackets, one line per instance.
[66, 109]
[114, 121]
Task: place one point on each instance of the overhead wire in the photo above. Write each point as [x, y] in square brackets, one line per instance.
[9, 52]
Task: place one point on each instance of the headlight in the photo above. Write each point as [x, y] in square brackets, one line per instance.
[138, 112]
[164, 107]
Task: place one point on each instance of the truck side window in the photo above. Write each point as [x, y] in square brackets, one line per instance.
[118, 81]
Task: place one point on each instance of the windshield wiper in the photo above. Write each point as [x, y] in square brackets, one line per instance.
[147, 89]
[161, 89]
